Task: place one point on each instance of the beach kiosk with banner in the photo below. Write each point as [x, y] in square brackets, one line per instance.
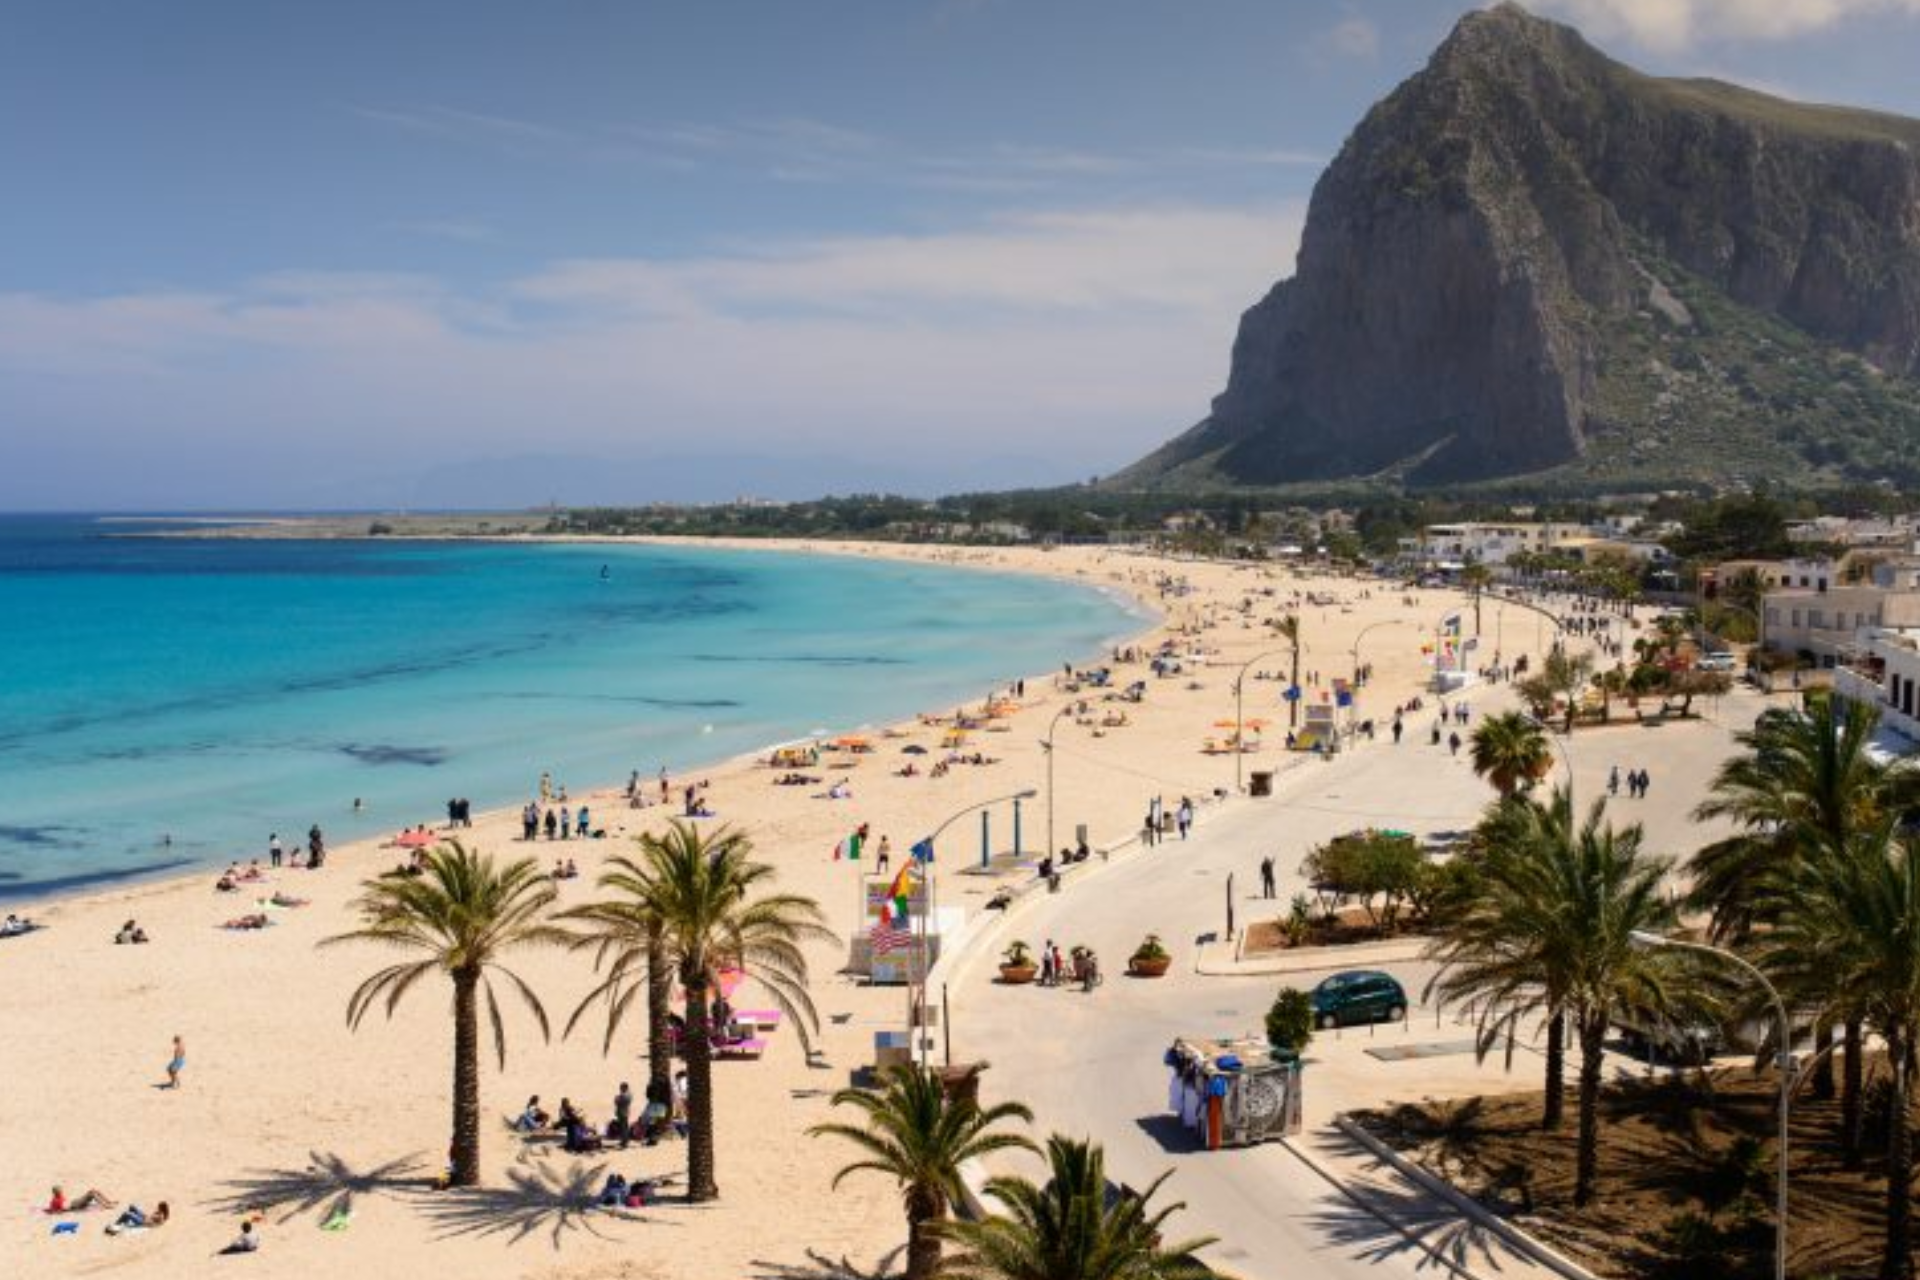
[1232, 1093]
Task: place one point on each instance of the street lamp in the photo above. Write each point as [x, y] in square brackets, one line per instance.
[1373, 626]
[1240, 713]
[1641, 938]
[917, 987]
[1051, 724]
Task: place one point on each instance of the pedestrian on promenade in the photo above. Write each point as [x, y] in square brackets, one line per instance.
[1266, 876]
[1453, 743]
[1613, 781]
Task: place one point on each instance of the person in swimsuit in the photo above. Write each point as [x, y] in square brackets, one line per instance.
[177, 1063]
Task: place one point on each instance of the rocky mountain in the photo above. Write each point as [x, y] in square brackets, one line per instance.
[1531, 259]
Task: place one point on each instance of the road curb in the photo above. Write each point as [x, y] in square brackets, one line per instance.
[1309, 959]
[1414, 1171]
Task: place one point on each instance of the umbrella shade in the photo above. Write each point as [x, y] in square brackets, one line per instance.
[913, 749]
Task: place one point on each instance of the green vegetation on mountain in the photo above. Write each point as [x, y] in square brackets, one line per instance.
[1530, 261]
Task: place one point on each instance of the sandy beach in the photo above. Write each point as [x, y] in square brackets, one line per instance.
[285, 1111]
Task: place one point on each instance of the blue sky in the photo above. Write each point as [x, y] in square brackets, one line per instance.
[274, 254]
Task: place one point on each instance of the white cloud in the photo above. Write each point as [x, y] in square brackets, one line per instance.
[1672, 25]
[1083, 335]
[1356, 38]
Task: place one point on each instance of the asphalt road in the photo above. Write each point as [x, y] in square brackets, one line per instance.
[1091, 1063]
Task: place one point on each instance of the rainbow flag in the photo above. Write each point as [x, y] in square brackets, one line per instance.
[900, 892]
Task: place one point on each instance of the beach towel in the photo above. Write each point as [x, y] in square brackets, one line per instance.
[339, 1220]
[66, 1228]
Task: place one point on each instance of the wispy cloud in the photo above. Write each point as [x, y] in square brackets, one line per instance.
[1355, 37]
[1674, 25]
[802, 149]
[1097, 331]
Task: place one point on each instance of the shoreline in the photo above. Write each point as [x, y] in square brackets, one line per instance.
[139, 883]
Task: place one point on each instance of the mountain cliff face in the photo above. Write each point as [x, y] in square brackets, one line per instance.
[1530, 258]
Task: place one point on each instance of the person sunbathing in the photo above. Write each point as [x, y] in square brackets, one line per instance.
[58, 1202]
[252, 920]
[281, 898]
[133, 1218]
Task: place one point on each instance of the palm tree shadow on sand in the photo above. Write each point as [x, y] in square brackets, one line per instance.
[328, 1186]
[535, 1200]
[820, 1267]
[1382, 1220]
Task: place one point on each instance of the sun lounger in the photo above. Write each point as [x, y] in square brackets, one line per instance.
[751, 1048]
[757, 1019]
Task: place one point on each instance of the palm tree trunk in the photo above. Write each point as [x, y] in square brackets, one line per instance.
[1896, 1263]
[925, 1208]
[1823, 1085]
[1852, 1086]
[1593, 1036]
[466, 1079]
[659, 1001]
[1554, 1112]
[699, 1050]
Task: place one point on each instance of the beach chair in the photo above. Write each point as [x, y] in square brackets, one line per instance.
[757, 1019]
[749, 1049]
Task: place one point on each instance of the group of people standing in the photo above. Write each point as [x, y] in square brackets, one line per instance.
[559, 822]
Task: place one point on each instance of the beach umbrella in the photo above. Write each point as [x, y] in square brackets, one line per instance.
[415, 839]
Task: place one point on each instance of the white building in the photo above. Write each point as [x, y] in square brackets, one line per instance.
[1894, 690]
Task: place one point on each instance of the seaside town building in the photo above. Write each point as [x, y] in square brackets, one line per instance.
[1809, 609]
[1888, 679]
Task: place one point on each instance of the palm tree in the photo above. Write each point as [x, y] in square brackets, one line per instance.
[1601, 890]
[1510, 751]
[1501, 952]
[1475, 577]
[1071, 1229]
[918, 1136]
[459, 916]
[1552, 934]
[1803, 787]
[1850, 923]
[702, 889]
[629, 943]
[1288, 629]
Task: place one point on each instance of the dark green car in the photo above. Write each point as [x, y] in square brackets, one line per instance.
[1359, 995]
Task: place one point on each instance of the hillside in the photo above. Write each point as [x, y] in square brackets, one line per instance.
[1531, 260]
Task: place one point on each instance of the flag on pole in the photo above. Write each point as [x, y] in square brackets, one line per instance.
[888, 937]
[923, 852]
[1450, 625]
[848, 848]
[900, 892]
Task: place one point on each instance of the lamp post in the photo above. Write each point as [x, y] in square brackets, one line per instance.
[1239, 710]
[917, 986]
[1642, 938]
[1372, 626]
[1051, 725]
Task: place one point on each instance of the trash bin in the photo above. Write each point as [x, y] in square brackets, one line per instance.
[1260, 783]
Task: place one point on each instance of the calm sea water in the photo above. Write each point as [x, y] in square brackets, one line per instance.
[168, 702]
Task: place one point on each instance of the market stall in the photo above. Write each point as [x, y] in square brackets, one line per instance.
[1232, 1093]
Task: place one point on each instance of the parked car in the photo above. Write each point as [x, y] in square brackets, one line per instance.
[1720, 661]
[1684, 1041]
[1358, 995]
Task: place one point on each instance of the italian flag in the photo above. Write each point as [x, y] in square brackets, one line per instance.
[849, 848]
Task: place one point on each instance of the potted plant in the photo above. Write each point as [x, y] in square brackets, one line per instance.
[1290, 1024]
[1017, 966]
[1150, 959]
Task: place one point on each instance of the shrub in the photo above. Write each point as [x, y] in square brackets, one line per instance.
[1290, 1022]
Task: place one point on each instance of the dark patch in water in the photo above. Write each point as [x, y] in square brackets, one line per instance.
[380, 753]
[639, 699]
[47, 837]
[13, 887]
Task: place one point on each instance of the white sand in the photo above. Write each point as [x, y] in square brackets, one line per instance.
[283, 1107]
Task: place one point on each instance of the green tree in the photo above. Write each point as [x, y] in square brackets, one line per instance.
[1290, 1022]
[1069, 1229]
[629, 949]
[459, 917]
[705, 890]
[917, 1135]
[1510, 751]
[1501, 951]
[1852, 922]
[1803, 786]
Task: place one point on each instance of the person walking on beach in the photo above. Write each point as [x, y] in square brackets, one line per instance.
[274, 851]
[623, 1115]
[566, 823]
[177, 1063]
[1266, 876]
[581, 826]
[884, 857]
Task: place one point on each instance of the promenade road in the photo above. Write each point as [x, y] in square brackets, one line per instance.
[1090, 1064]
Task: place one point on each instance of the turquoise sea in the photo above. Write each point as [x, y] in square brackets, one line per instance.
[170, 702]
